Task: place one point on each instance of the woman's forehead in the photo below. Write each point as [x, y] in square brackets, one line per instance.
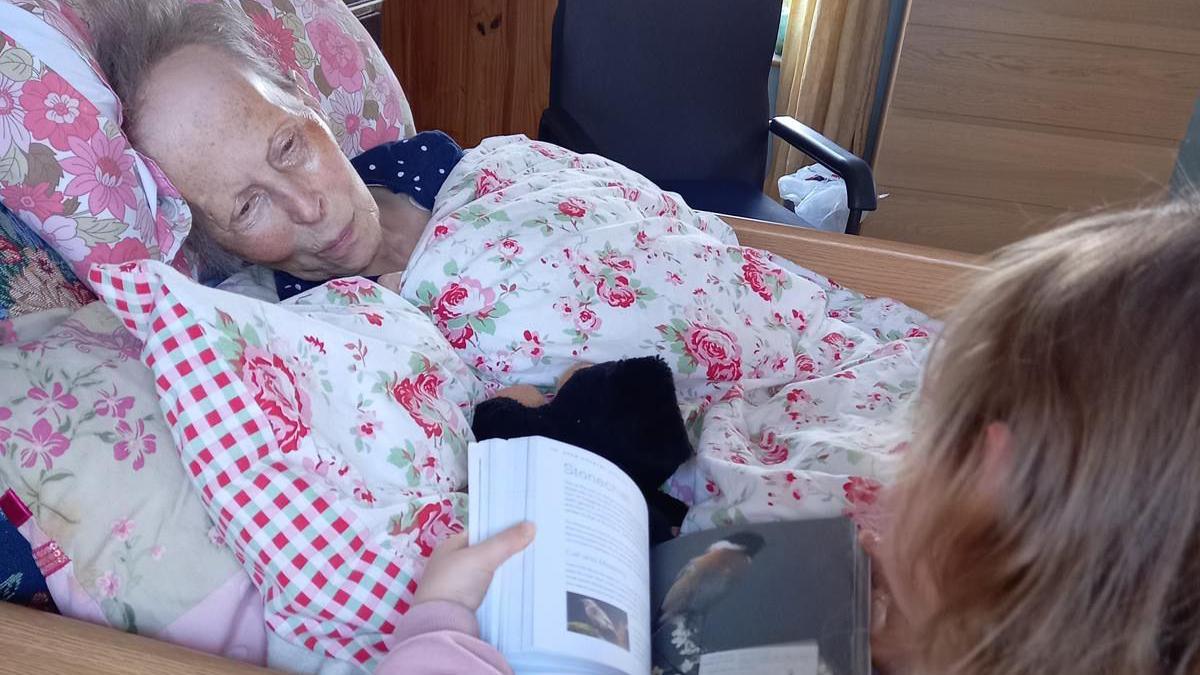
[204, 117]
[200, 98]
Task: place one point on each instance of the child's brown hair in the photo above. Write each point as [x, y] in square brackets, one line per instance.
[1085, 342]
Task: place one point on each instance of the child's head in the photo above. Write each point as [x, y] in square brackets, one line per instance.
[1049, 517]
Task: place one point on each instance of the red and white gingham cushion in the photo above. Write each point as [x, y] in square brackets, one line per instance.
[328, 583]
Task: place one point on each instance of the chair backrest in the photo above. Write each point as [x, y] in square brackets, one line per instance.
[675, 89]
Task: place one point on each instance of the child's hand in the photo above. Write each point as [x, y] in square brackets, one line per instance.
[460, 573]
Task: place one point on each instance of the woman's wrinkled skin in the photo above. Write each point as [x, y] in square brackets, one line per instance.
[265, 172]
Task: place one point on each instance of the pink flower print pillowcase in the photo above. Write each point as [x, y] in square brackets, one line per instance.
[66, 169]
[330, 429]
[322, 42]
[120, 535]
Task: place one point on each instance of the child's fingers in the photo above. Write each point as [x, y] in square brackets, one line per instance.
[871, 542]
[492, 552]
[562, 379]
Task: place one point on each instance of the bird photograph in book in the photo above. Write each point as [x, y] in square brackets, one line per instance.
[589, 616]
[592, 595]
[786, 597]
[704, 581]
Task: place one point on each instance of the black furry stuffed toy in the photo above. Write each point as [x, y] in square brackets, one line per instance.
[624, 411]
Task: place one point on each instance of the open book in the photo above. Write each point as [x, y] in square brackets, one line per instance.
[589, 596]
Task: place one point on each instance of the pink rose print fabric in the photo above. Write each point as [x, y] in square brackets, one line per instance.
[341, 60]
[326, 437]
[273, 385]
[537, 258]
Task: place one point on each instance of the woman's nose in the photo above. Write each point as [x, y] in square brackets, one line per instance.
[307, 206]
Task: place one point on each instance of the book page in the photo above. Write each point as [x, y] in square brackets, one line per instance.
[591, 591]
[802, 658]
[497, 500]
[772, 591]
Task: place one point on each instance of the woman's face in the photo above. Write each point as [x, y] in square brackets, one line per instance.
[260, 165]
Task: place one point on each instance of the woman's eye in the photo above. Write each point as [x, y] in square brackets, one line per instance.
[288, 149]
[244, 213]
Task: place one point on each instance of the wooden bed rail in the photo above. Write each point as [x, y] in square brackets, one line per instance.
[927, 279]
[37, 643]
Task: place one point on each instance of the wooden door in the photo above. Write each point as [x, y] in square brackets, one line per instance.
[1008, 114]
[472, 68]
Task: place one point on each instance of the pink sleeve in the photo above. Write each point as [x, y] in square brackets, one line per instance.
[440, 637]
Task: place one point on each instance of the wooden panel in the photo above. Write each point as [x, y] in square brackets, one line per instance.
[959, 223]
[1062, 83]
[485, 82]
[472, 68]
[1160, 25]
[38, 643]
[434, 85]
[531, 23]
[1043, 166]
[927, 279]
[1007, 113]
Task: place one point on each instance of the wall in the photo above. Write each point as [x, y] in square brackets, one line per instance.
[1007, 114]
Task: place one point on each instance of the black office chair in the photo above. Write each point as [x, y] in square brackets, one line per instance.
[677, 90]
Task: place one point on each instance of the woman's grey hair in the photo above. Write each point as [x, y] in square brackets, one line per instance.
[133, 36]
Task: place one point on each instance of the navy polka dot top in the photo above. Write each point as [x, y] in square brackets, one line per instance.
[416, 166]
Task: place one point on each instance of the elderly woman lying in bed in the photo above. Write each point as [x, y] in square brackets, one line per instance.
[247, 147]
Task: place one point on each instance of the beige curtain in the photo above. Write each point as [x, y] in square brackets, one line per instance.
[830, 69]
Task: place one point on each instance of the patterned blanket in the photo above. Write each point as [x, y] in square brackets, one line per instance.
[795, 389]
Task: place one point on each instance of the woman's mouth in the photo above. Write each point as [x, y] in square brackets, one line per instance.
[342, 245]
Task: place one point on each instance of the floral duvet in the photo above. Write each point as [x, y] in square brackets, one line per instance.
[795, 389]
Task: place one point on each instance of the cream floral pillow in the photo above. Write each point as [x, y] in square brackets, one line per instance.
[84, 446]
